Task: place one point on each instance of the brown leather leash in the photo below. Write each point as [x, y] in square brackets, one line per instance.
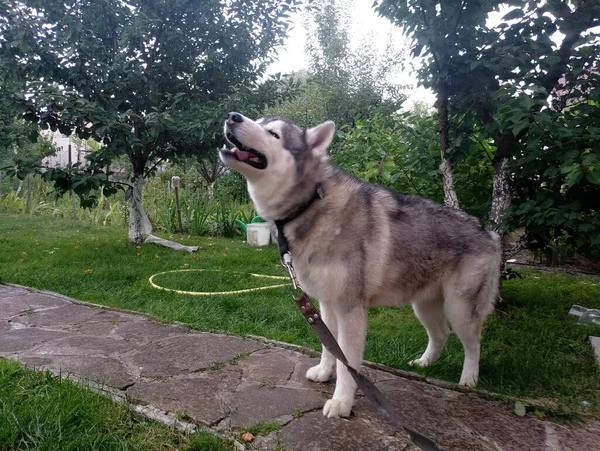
[323, 333]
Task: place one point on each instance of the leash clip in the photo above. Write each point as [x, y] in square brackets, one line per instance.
[287, 263]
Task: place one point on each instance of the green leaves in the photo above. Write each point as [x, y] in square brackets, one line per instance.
[516, 13]
[149, 79]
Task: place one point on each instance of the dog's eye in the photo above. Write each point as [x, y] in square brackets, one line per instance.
[274, 134]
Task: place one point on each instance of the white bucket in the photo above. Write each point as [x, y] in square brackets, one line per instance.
[259, 234]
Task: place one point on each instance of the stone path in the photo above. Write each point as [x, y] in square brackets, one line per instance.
[230, 383]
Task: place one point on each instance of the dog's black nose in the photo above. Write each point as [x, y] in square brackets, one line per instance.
[235, 117]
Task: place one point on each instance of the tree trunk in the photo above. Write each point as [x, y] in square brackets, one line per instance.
[139, 224]
[506, 146]
[450, 197]
[19, 188]
[1, 191]
[211, 190]
[501, 198]
[501, 194]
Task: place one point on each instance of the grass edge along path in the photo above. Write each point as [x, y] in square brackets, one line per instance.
[534, 350]
[41, 412]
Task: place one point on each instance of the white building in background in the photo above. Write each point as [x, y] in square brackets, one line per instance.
[79, 150]
[65, 145]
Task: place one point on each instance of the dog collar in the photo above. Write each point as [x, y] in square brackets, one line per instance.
[280, 223]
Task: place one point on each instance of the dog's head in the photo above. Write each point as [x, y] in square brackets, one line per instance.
[272, 149]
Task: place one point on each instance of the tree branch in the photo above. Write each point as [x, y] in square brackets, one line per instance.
[462, 5]
[149, 171]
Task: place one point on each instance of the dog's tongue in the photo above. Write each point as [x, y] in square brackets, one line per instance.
[241, 155]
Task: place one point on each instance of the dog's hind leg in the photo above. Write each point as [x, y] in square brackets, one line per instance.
[467, 325]
[431, 314]
[324, 370]
[468, 300]
[352, 331]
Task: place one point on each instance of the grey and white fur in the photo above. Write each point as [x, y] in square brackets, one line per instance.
[363, 245]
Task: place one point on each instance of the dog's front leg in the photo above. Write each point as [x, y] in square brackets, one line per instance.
[352, 328]
[324, 370]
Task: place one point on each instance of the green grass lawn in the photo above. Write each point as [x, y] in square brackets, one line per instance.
[534, 351]
[43, 413]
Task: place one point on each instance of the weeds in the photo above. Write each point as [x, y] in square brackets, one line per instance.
[264, 428]
[201, 215]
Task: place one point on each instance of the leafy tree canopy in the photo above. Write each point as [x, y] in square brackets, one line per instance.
[126, 72]
[343, 82]
[117, 71]
[503, 85]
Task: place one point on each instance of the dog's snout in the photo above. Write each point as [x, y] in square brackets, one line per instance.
[234, 117]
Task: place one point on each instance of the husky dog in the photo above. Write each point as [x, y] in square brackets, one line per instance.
[360, 245]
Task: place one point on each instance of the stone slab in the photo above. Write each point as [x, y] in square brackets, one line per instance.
[203, 397]
[595, 341]
[314, 433]
[258, 403]
[103, 328]
[189, 353]
[457, 421]
[14, 305]
[146, 331]
[298, 377]
[68, 316]
[84, 345]
[103, 370]
[16, 340]
[269, 366]
[8, 291]
[578, 437]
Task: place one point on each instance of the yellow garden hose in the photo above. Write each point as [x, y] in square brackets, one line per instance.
[215, 293]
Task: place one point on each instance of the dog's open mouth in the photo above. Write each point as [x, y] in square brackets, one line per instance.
[245, 154]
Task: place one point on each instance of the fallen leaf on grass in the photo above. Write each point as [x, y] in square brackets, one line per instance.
[21, 260]
[156, 256]
[88, 272]
[247, 437]
[520, 409]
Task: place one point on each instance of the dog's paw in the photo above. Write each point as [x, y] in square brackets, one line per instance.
[319, 374]
[469, 382]
[335, 408]
[421, 362]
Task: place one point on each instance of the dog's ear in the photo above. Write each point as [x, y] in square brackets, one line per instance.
[319, 138]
